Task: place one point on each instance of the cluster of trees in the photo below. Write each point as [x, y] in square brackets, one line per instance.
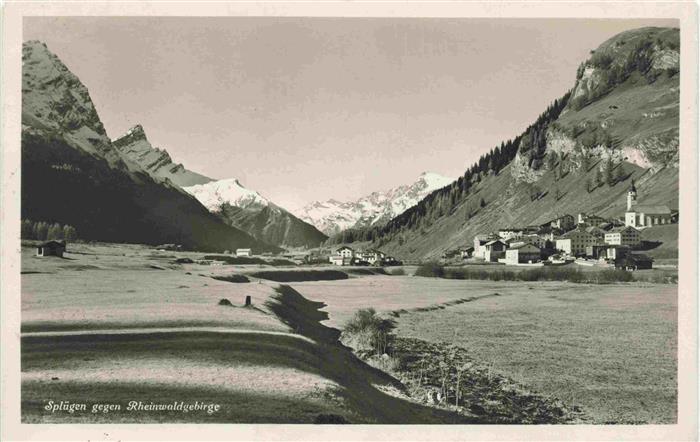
[639, 59]
[533, 143]
[43, 230]
[444, 201]
[610, 174]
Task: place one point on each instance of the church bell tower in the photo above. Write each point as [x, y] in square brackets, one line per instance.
[631, 197]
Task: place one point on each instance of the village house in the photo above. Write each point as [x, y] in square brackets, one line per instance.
[345, 252]
[479, 244]
[449, 254]
[597, 232]
[575, 242]
[564, 222]
[466, 252]
[51, 248]
[340, 260]
[372, 256]
[522, 252]
[244, 252]
[615, 252]
[623, 236]
[495, 250]
[509, 233]
[590, 220]
[645, 215]
[634, 261]
[535, 229]
[343, 256]
[540, 240]
[598, 251]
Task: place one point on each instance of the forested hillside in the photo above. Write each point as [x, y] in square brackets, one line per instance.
[619, 122]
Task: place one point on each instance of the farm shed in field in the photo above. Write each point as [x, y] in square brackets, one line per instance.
[634, 261]
[244, 252]
[51, 248]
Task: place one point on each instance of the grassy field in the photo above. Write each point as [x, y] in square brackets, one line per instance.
[609, 349]
[113, 323]
[109, 324]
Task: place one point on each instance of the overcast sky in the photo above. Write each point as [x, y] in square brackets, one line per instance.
[304, 109]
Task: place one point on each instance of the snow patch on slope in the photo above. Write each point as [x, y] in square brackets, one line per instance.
[230, 191]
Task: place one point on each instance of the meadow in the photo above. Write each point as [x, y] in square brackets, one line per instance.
[609, 349]
[127, 322]
[109, 324]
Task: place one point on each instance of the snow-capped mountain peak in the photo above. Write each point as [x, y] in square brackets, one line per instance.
[332, 216]
[230, 191]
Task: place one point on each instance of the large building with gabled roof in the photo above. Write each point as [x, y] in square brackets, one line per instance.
[644, 215]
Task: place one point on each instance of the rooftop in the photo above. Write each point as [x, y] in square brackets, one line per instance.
[651, 210]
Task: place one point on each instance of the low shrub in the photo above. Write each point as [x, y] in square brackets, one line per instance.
[397, 272]
[431, 270]
[367, 332]
[571, 274]
[232, 278]
[225, 301]
[301, 275]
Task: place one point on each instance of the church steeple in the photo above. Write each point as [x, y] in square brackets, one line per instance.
[631, 197]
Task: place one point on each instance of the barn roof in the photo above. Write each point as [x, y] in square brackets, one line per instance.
[53, 243]
[526, 244]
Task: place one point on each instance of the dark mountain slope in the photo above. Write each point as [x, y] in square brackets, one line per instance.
[245, 209]
[273, 225]
[72, 174]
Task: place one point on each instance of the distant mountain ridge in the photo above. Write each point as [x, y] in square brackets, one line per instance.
[228, 199]
[250, 211]
[157, 162]
[377, 208]
[73, 174]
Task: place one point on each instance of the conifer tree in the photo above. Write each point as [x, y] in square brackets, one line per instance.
[55, 231]
[598, 177]
[27, 231]
[620, 173]
[609, 178]
[585, 163]
[69, 233]
[41, 230]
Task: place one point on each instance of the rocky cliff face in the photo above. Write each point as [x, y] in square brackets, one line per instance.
[157, 162]
[625, 102]
[53, 99]
[73, 174]
[333, 216]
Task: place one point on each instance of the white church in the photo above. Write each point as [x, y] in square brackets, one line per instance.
[644, 215]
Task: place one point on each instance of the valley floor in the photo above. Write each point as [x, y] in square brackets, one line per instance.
[119, 323]
[610, 349]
